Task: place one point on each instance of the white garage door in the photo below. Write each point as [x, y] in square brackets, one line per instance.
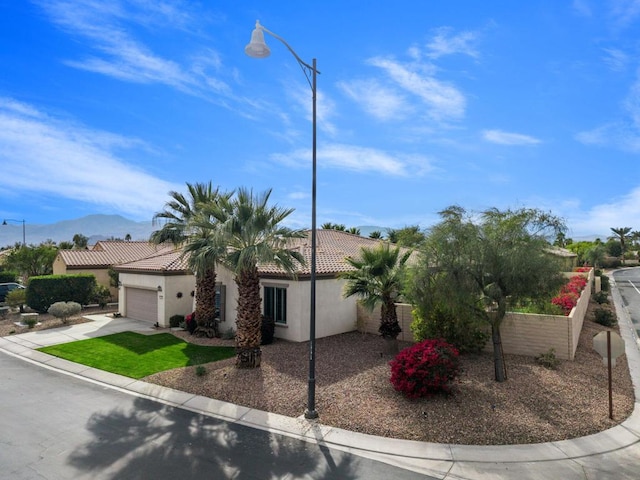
[142, 304]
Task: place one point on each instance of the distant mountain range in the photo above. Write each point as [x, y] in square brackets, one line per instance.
[95, 227]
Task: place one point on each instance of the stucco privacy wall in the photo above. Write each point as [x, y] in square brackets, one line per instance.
[332, 317]
[522, 334]
[167, 288]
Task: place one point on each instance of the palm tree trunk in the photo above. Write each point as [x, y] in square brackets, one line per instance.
[206, 297]
[248, 320]
[389, 326]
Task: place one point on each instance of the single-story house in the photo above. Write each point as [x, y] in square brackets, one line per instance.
[102, 256]
[568, 258]
[158, 287]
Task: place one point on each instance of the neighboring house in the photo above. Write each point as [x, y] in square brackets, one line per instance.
[285, 299]
[156, 288]
[568, 258]
[97, 260]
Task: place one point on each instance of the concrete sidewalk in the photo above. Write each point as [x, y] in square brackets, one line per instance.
[612, 454]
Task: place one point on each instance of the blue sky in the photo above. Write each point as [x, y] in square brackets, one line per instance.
[105, 107]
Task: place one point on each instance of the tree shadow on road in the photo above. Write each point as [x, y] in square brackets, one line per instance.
[152, 440]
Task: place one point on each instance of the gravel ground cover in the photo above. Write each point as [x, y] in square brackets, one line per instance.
[8, 323]
[353, 392]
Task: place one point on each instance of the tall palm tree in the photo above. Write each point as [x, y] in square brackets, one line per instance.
[253, 234]
[377, 278]
[622, 234]
[183, 226]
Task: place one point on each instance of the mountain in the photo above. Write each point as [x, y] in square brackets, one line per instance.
[95, 227]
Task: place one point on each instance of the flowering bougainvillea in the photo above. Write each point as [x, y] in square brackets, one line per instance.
[582, 269]
[569, 294]
[425, 368]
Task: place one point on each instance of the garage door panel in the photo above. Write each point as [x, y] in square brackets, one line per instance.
[142, 304]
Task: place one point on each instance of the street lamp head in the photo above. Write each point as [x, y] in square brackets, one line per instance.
[257, 48]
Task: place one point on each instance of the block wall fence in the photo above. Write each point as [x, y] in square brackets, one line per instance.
[522, 333]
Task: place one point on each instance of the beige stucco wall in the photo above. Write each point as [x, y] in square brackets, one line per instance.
[522, 333]
[168, 302]
[369, 321]
[334, 314]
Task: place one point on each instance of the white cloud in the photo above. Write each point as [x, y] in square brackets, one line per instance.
[622, 211]
[625, 11]
[359, 159]
[443, 100]
[445, 42]
[381, 102]
[618, 135]
[582, 7]
[616, 59]
[44, 155]
[325, 107]
[507, 138]
[116, 53]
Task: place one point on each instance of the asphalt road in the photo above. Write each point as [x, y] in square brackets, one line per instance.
[628, 284]
[54, 426]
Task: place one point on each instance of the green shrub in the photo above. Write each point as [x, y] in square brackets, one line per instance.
[604, 283]
[424, 369]
[176, 320]
[101, 295]
[605, 317]
[543, 307]
[548, 360]
[229, 334]
[611, 262]
[30, 322]
[600, 297]
[8, 276]
[16, 298]
[201, 371]
[46, 290]
[64, 310]
[467, 335]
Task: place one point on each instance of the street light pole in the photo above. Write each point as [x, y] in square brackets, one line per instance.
[24, 232]
[257, 48]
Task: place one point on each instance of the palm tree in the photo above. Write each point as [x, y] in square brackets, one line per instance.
[622, 234]
[183, 226]
[376, 234]
[377, 278]
[252, 234]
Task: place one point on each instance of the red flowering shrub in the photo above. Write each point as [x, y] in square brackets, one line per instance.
[425, 368]
[582, 269]
[569, 294]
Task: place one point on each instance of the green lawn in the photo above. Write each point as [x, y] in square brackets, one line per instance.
[135, 355]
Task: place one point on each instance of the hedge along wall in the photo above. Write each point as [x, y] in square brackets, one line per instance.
[522, 333]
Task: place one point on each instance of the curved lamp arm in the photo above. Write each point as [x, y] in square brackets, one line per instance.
[257, 48]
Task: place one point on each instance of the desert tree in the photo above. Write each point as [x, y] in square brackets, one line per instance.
[487, 261]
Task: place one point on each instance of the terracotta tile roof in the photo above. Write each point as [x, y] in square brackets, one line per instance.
[332, 247]
[164, 262]
[108, 253]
